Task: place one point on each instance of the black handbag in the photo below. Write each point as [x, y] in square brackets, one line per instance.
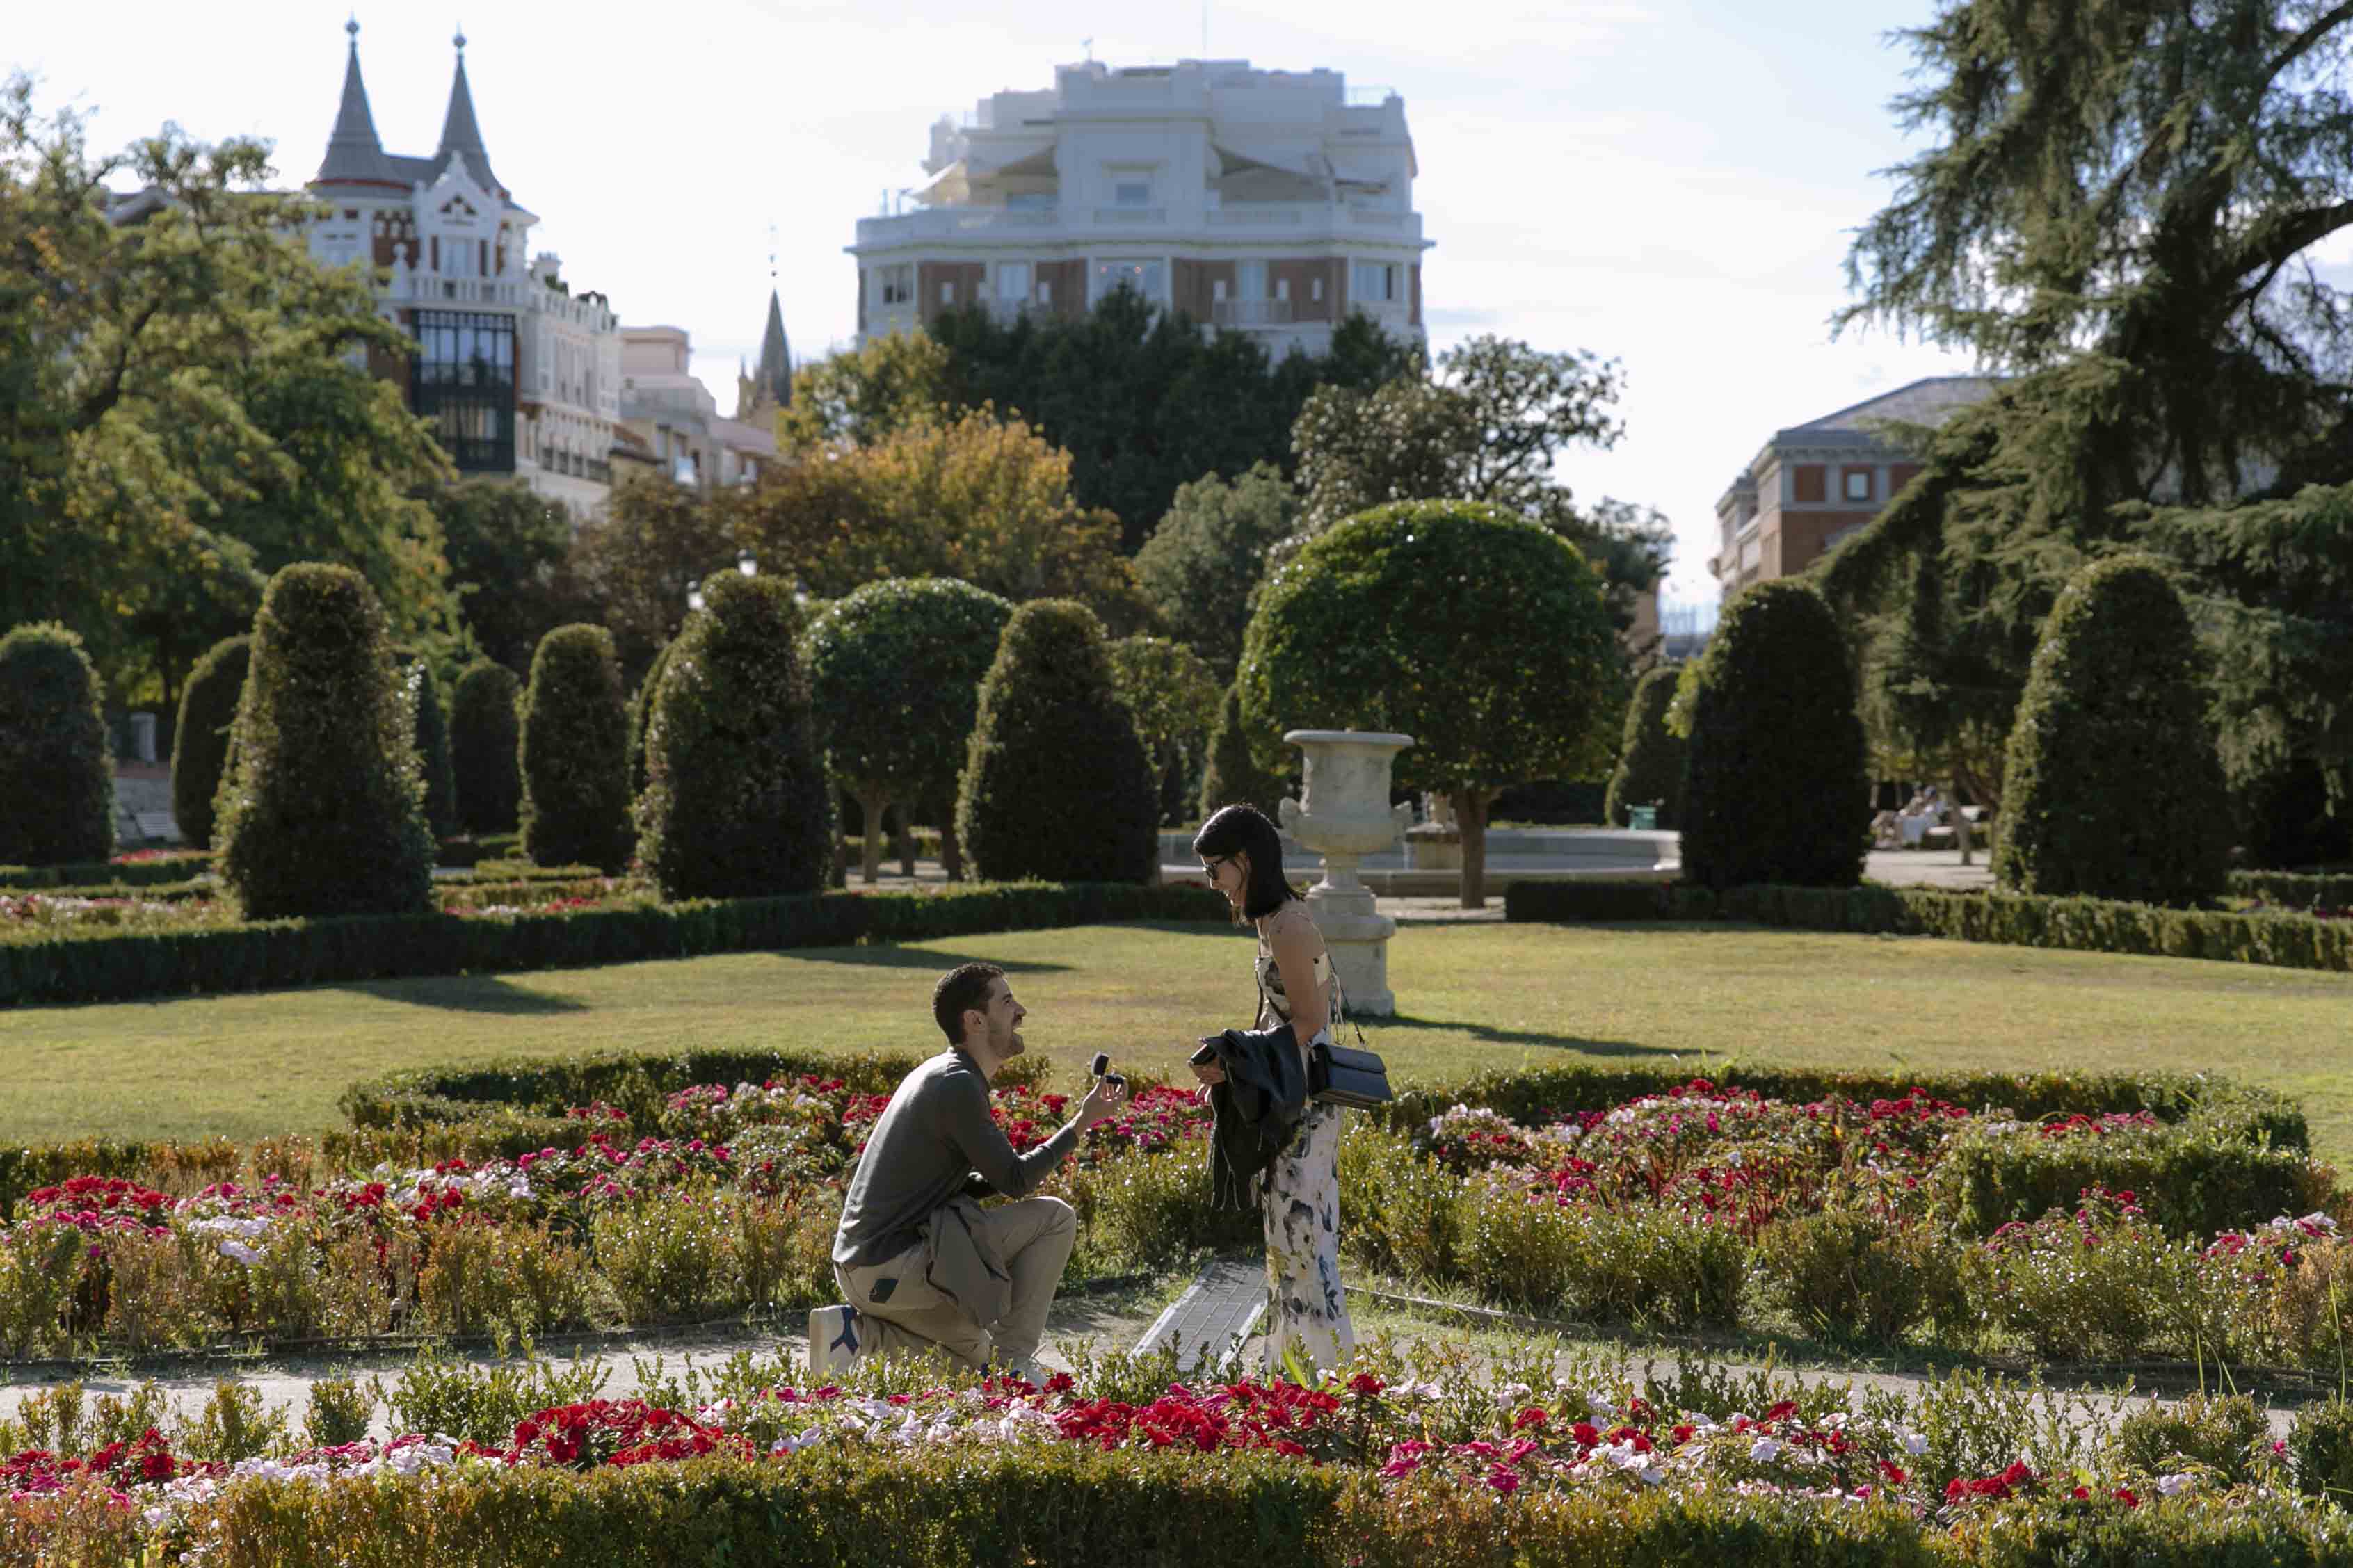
[1337, 1075]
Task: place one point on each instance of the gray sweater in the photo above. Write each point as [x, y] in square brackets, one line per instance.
[934, 1140]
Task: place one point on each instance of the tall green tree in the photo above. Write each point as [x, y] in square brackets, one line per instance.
[895, 668]
[1650, 756]
[1486, 428]
[857, 396]
[200, 741]
[1173, 694]
[1144, 401]
[506, 546]
[657, 541]
[1389, 621]
[574, 754]
[485, 738]
[57, 775]
[185, 409]
[2122, 204]
[1202, 565]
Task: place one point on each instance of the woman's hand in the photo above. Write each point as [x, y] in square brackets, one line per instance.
[1208, 1073]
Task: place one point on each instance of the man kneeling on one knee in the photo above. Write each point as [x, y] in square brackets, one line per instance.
[915, 1249]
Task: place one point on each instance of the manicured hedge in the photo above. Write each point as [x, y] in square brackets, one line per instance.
[2080, 925]
[93, 873]
[57, 780]
[2195, 1180]
[1067, 1506]
[2294, 889]
[200, 743]
[273, 955]
[635, 1081]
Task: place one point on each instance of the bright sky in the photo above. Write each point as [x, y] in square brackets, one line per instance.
[1669, 181]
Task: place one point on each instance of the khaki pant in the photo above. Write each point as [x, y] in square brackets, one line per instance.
[1034, 1235]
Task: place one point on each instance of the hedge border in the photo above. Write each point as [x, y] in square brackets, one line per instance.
[276, 954]
[173, 867]
[2295, 890]
[2074, 924]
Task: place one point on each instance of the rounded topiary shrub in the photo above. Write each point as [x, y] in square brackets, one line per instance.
[57, 779]
[2110, 784]
[736, 803]
[575, 753]
[484, 737]
[1775, 788]
[1650, 757]
[641, 714]
[200, 744]
[1233, 776]
[1056, 784]
[895, 671]
[422, 693]
[323, 810]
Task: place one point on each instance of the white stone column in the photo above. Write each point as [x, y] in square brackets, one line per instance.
[1344, 814]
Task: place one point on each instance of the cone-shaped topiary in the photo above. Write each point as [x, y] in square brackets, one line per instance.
[57, 779]
[641, 714]
[575, 753]
[1056, 784]
[323, 811]
[1234, 777]
[422, 693]
[1650, 757]
[895, 671]
[200, 744]
[2110, 784]
[736, 802]
[484, 737]
[1775, 789]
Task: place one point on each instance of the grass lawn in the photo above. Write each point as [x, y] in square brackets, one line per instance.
[1475, 996]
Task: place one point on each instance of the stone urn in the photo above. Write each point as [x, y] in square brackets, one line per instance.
[1344, 814]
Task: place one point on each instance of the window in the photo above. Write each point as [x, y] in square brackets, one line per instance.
[461, 381]
[947, 293]
[1282, 288]
[1858, 484]
[1217, 290]
[1371, 282]
[1316, 288]
[1131, 193]
[898, 283]
[1250, 280]
[1146, 278]
[1045, 292]
[1013, 280]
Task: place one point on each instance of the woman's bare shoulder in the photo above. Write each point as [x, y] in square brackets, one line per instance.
[1289, 920]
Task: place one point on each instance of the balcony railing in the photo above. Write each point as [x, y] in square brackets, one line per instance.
[942, 223]
[1251, 312]
[1132, 215]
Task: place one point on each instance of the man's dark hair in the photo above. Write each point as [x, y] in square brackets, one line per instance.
[965, 986]
[1244, 829]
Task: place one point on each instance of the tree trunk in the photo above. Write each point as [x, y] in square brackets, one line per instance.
[1960, 819]
[951, 852]
[869, 855]
[902, 840]
[1471, 821]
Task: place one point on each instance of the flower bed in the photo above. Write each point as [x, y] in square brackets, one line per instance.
[1126, 1461]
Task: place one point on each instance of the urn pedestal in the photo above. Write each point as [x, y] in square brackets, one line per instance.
[1344, 814]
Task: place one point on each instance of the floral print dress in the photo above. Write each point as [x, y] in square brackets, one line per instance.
[1307, 1309]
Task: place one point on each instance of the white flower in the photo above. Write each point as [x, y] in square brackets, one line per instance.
[239, 1252]
[1598, 1405]
[1914, 1444]
[1653, 1475]
[2175, 1485]
[1764, 1450]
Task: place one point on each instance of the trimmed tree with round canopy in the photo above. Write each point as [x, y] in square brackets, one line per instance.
[484, 735]
[200, 741]
[1483, 636]
[1056, 784]
[1775, 788]
[1175, 695]
[2110, 786]
[575, 753]
[323, 810]
[895, 668]
[57, 779]
[736, 803]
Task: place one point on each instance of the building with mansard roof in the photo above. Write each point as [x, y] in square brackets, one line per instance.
[518, 376]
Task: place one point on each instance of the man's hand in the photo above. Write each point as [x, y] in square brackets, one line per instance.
[1104, 1098]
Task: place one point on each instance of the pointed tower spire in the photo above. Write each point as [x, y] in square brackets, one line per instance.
[353, 153]
[775, 376]
[461, 137]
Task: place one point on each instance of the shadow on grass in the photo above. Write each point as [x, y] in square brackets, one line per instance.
[470, 993]
[887, 955]
[1524, 1038]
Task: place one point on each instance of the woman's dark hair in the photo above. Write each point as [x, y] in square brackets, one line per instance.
[1244, 830]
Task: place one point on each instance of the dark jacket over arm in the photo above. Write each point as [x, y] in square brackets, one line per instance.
[1254, 1112]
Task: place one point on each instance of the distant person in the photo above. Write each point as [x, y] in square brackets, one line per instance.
[1242, 854]
[914, 1247]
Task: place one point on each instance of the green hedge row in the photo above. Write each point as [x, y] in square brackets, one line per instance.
[1530, 1095]
[2081, 925]
[2294, 889]
[1071, 1506]
[637, 1081]
[273, 955]
[2196, 1180]
[86, 873]
[467, 849]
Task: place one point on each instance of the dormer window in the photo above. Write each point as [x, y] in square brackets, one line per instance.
[1132, 194]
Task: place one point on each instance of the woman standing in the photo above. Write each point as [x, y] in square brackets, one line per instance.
[1242, 855]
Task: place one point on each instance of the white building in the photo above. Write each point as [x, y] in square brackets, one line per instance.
[518, 376]
[677, 419]
[1272, 201]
